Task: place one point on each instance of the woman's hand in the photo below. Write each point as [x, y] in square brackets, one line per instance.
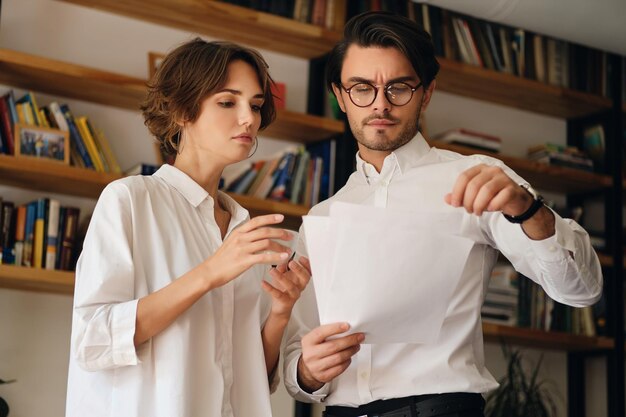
[248, 245]
[288, 282]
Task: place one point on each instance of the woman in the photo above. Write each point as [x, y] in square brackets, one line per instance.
[169, 319]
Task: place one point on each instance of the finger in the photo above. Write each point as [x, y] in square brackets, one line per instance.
[282, 268]
[338, 358]
[334, 372]
[319, 334]
[267, 233]
[458, 190]
[276, 280]
[267, 258]
[259, 221]
[330, 347]
[306, 263]
[271, 290]
[501, 199]
[287, 285]
[301, 274]
[267, 245]
[486, 193]
[473, 188]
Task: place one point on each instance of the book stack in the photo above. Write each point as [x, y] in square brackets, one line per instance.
[470, 138]
[40, 234]
[303, 176]
[89, 148]
[566, 156]
[500, 305]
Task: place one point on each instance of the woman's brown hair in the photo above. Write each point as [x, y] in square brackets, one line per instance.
[189, 74]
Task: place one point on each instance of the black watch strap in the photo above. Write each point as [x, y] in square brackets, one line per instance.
[534, 207]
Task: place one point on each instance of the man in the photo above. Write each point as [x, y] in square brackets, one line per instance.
[383, 75]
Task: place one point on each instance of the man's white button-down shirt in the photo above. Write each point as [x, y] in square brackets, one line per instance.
[145, 232]
[417, 176]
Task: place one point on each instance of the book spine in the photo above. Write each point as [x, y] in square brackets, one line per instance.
[53, 232]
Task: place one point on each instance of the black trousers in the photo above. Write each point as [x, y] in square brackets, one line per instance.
[432, 405]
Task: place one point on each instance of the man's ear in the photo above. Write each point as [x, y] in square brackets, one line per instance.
[337, 92]
[428, 93]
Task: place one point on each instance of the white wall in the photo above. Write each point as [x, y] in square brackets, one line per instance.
[35, 328]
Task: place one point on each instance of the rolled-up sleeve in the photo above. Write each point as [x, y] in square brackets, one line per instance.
[565, 264]
[105, 309]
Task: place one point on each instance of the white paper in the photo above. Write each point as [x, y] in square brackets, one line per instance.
[388, 273]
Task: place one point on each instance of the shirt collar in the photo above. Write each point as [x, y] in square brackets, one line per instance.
[183, 183]
[404, 158]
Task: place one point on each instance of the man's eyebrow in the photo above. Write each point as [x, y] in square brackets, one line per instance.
[238, 93]
[393, 80]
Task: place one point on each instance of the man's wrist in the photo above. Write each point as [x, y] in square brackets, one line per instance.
[306, 382]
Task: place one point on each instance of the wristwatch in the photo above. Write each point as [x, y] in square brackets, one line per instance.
[534, 207]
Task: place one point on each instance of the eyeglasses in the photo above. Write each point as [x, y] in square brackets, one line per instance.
[397, 93]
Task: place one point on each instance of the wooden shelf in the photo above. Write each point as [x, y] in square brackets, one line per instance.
[538, 339]
[226, 21]
[303, 128]
[36, 279]
[542, 176]
[52, 177]
[509, 90]
[257, 207]
[68, 80]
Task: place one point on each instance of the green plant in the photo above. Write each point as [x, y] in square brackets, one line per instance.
[519, 395]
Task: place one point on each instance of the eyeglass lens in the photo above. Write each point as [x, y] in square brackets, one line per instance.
[398, 94]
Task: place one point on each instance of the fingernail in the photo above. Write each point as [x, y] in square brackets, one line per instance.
[345, 326]
[279, 217]
[361, 338]
[284, 255]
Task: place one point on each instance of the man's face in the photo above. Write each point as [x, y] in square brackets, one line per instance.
[381, 126]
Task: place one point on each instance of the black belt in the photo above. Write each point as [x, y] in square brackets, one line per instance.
[420, 405]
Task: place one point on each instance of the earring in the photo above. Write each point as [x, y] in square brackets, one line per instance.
[256, 146]
[179, 136]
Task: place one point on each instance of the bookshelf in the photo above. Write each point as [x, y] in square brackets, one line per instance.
[546, 177]
[62, 282]
[36, 279]
[227, 21]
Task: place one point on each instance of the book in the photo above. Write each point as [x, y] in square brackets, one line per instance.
[470, 138]
[7, 232]
[75, 136]
[39, 232]
[105, 147]
[90, 144]
[29, 229]
[20, 224]
[52, 233]
[68, 237]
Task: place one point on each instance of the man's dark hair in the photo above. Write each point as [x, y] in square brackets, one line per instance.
[386, 30]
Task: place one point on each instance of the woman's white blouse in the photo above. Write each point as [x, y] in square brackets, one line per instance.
[145, 232]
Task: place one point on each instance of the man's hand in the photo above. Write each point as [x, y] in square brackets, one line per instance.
[323, 360]
[488, 188]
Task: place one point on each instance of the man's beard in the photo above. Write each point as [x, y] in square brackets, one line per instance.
[380, 141]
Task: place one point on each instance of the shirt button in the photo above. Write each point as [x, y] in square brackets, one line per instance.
[363, 375]
[552, 248]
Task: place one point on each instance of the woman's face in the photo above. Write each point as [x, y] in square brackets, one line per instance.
[227, 126]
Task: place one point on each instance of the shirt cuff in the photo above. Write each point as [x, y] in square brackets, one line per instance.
[124, 317]
[300, 394]
[556, 247]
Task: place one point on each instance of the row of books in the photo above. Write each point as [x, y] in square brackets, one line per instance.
[502, 48]
[326, 13]
[559, 155]
[470, 138]
[40, 234]
[302, 176]
[514, 300]
[89, 148]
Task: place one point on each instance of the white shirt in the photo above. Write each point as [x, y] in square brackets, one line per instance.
[417, 176]
[145, 232]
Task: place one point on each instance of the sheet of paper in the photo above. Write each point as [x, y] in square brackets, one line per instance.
[388, 273]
